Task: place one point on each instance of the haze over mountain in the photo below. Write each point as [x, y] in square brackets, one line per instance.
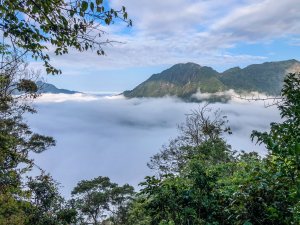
[50, 88]
[185, 80]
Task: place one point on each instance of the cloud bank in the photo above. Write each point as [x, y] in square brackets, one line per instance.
[220, 34]
[115, 137]
[172, 31]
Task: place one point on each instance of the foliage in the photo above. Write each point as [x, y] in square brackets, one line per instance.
[35, 26]
[48, 207]
[138, 213]
[99, 198]
[283, 143]
[17, 140]
[215, 186]
[200, 135]
[32, 200]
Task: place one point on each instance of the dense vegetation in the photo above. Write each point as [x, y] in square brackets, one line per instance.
[184, 80]
[31, 28]
[200, 180]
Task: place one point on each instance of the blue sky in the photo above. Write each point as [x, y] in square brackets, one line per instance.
[221, 34]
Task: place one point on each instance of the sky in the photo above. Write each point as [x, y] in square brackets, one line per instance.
[220, 34]
[115, 137]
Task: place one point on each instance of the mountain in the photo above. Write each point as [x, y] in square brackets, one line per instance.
[185, 79]
[50, 88]
[181, 80]
[266, 78]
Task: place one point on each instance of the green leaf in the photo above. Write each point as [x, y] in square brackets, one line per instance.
[92, 6]
[107, 21]
[72, 12]
[98, 2]
[84, 6]
[297, 147]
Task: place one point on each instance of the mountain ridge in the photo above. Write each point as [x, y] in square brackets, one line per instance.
[47, 88]
[186, 79]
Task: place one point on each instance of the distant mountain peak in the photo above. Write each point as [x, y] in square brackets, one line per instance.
[44, 87]
[183, 73]
[233, 69]
[188, 64]
[185, 79]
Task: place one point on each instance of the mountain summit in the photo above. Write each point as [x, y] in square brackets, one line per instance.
[185, 79]
[180, 80]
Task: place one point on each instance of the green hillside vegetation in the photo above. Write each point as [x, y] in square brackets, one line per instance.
[184, 80]
[180, 80]
[265, 78]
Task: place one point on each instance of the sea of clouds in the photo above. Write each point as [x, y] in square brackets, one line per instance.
[112, 136]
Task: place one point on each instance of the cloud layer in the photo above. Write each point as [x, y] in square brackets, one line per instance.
[220, 34]
[172, 31]
[115, 137]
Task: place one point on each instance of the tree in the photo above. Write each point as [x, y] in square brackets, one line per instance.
[283, 144]
[184, 192]
[96, 199]
[121, 197]
[137, 212]
[16, 138]
[48, 207]
[24, 200]
[215, 186]
[32, 27]
[35, 26]
[195, 135]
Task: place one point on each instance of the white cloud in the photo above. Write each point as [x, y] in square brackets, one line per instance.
[241, 98]
[174, 31]
[162, 18]
[116, 137]
[168, 32]
[262, 19]
[141, 50]
[65, 97]
[295, 41]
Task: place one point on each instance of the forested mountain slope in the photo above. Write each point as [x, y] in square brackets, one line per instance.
[184, 80]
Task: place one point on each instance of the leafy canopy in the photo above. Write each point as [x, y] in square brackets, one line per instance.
[100, 198]
[36, 26]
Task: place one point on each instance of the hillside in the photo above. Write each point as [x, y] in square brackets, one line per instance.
[50, 88]
[184, 80]
[266, 78]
